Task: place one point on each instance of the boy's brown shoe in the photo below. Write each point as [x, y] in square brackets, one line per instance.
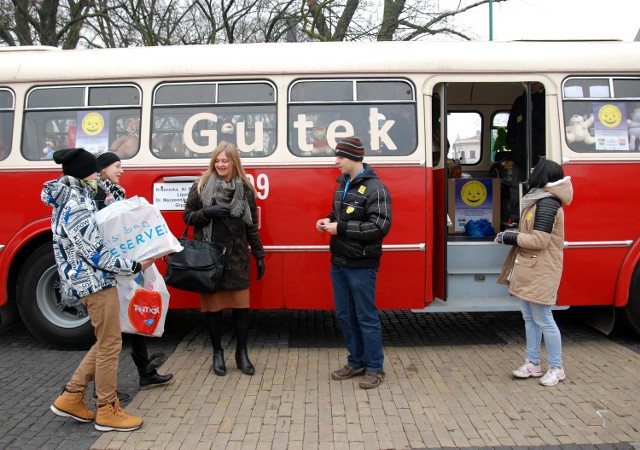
[347, 372]
[372, 379]
[71, 404]
[113, 418]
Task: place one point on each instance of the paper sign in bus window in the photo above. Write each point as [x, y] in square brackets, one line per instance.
[92, 133]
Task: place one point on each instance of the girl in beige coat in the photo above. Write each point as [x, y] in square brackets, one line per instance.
[533, 267]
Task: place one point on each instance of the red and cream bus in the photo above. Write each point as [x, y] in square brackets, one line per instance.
[164, 109]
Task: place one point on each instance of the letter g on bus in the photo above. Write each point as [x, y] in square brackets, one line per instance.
[212, 135]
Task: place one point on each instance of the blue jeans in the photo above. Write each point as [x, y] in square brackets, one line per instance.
[354, 294]
[538, 321]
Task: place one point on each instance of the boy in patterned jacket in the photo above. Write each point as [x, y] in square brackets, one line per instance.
[87, 272]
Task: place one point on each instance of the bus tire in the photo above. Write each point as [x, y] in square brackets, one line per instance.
[41, 308]
[630, 314]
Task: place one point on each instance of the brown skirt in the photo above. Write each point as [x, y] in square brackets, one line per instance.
[224, 299]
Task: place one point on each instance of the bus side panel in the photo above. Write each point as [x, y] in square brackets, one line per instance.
[299, 197]
[601, 211]
[590, 276]
[296, 198]
[25, 219]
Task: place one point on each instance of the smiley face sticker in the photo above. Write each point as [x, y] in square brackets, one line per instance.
[610, 116]
[473, 193]
[93, 124]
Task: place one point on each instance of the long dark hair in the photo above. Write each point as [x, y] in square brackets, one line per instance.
[546, 171]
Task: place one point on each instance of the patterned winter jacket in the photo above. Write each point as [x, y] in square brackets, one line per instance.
[364, 219]
[84, 264]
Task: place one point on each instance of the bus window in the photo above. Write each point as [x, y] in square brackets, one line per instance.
[602, 113]
[465, 134]
[381, 112]
[190, 119]
[92, 117]
[6, 121]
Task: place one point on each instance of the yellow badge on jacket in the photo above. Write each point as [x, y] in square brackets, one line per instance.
[349, 209]
[362, 189]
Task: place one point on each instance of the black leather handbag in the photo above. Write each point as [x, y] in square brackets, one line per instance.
[198, 267]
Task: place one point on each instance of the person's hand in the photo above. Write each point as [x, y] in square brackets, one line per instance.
[498, 239]
[147, 263]
[260, 267]
[321, 224]
[109, 200]
[216, 211]
[331, 228]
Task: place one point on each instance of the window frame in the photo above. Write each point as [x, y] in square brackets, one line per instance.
[216, 84]
[354, 100]
[569, 102]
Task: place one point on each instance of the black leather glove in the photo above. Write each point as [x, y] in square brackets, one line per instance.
[216, 211]
[260, 266]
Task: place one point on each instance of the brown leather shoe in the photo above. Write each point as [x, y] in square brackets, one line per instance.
[372, 379]
[347, 372]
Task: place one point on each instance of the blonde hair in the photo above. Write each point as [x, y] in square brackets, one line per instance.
[233, 155]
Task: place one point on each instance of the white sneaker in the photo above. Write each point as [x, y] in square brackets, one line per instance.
[553, 376]
[528, 369]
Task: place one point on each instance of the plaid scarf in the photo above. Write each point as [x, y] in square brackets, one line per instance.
[229, 194]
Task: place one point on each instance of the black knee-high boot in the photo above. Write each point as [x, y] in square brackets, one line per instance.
[241, 324]
[214, 325]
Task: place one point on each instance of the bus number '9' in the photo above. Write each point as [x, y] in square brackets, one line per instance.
[261, 185]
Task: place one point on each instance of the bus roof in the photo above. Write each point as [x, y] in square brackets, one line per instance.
[320, 58]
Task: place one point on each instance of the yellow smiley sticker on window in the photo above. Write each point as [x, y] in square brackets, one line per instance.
[610, 116]
[93, 124]
[473, 193]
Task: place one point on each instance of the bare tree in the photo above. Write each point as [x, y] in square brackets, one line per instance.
[44, 22]
[126, 23]
[330, 20]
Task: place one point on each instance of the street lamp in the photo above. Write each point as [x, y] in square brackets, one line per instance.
[491, 20]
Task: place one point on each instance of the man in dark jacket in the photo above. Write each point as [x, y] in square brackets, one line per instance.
[360, 219]
[517, 140]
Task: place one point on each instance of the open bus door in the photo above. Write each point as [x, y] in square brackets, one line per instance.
[465, 266]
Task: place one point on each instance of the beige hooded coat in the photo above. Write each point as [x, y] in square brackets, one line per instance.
[533, 268]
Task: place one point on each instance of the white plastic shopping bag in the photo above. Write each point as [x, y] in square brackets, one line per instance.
[135, 229]
[144, 301]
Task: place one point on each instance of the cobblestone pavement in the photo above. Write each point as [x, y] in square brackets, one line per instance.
[448, 385]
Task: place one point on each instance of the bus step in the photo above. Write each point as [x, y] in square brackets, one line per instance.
[475, 283]
[474, 304]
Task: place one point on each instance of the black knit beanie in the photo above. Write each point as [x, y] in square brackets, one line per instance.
[76, 162]
[351, 148]
[106, 159]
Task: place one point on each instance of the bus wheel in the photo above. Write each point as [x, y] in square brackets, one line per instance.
[59, 322]
[630, 314]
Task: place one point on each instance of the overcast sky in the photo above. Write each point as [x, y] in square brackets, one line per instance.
[552, 19]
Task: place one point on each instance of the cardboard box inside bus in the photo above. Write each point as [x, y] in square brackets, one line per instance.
[473, 199]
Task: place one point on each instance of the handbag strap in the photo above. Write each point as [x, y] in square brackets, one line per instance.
[186, 229]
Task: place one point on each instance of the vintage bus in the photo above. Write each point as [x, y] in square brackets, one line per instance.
[425, 111]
